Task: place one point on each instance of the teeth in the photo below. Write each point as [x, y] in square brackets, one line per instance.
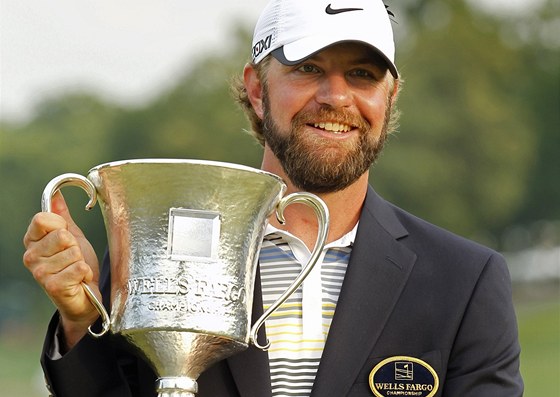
[333, 127]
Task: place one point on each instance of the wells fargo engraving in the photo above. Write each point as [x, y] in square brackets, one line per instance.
[186, 294]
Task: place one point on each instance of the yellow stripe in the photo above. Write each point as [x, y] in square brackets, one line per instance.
[271, 325]
[298, 341]
[298, 332]
[281, 325]
[287, 313]
[325, 306]
[284, 305]
[298, 313]
[283, 333]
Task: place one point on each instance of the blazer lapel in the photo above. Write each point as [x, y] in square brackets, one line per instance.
[250, 369]
[377, 272]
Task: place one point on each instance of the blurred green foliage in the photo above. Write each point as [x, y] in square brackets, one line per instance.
[476, 151]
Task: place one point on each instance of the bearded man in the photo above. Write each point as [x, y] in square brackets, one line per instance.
[397, 306]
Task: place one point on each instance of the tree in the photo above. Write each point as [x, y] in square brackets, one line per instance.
[463, 156]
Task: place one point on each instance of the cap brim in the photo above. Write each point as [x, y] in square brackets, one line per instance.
[281, 57]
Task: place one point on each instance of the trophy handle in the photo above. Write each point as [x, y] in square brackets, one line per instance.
[322, 212]
[46, 205]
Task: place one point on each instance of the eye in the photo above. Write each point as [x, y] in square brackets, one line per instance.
[308, 68]
[363, 74]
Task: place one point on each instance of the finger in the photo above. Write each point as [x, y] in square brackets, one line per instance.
[66, 291]
[60, 207]
[65, 282]
[42, 224]
[51, 255]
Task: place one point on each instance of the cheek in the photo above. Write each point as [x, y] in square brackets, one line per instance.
[284, 104]
[374, 108]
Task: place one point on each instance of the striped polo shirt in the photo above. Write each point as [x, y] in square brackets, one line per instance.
[298, 329]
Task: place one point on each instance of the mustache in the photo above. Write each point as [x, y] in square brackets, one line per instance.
[341, 116]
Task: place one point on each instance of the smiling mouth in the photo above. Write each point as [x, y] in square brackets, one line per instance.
[335, 128]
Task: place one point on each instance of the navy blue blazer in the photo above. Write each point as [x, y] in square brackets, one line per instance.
[411, 289]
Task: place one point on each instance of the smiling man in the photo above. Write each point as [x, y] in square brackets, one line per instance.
[397, 306]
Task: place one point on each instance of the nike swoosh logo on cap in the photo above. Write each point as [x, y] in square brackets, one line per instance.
[333, 11]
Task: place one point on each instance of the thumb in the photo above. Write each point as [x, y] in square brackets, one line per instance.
[59, 207]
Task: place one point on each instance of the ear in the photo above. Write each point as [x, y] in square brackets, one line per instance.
[254, 89]
[396, 90]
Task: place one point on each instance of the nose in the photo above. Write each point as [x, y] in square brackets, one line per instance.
[334, 91]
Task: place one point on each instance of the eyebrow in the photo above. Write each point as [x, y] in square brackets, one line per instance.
[372, 58]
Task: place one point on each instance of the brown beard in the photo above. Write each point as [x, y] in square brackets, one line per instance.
[317, 165]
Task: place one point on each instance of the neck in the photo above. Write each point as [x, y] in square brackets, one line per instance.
[344, 209]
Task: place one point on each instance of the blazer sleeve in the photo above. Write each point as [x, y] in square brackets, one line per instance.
[484, 361]
[92, 368]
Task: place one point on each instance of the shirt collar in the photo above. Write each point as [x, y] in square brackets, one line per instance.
[346, 240]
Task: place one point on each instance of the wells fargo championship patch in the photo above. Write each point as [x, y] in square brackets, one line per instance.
[403, 376]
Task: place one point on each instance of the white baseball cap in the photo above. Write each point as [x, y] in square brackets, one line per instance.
[293, 30]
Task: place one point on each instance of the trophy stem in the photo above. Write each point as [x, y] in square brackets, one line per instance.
[176, 386]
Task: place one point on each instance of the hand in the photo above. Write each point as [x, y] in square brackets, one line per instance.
[60, 259]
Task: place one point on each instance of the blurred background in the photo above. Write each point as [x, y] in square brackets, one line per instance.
[84, 83]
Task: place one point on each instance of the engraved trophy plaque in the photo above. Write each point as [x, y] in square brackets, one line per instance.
[184, 237]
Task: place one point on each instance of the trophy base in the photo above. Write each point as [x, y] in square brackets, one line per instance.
[179, 356]
[179, 386]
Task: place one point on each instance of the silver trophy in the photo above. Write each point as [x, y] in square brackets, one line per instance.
[184, 238]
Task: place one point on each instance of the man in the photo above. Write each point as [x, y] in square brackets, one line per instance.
[419, 311]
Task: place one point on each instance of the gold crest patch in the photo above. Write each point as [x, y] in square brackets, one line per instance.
[403, 376]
